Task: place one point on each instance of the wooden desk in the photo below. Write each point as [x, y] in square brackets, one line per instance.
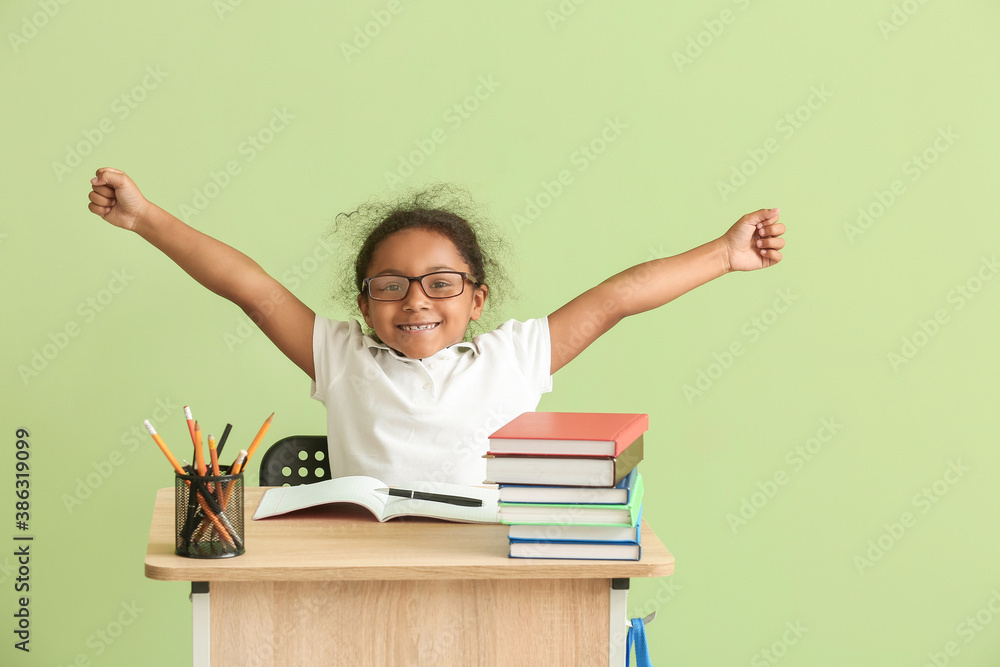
[332, 585]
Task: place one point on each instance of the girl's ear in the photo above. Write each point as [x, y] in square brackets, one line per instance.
[478, 301]
[363, 307]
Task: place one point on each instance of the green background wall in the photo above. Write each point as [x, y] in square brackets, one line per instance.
[837, 477]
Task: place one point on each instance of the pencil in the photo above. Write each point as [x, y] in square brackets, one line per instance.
[237, 466]
[163, 447]
[213, 455]
[199, 454]
[190, 420]
[260, 436]
[233, 470]
[223, 533]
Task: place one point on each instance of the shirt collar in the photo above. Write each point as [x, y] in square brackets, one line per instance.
[447, 353]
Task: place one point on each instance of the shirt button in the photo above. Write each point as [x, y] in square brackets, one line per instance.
[427, 386]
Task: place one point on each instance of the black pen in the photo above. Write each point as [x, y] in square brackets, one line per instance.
[222, 440]
[433, 497]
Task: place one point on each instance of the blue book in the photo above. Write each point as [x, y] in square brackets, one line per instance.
[620, 494]
[578, 549]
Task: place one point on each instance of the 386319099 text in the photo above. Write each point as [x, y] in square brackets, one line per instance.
[22, 541]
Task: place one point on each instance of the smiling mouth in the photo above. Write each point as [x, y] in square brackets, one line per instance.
[416, 327]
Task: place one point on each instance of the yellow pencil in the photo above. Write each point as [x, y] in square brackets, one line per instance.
[238, 463]
[163, 448]
[233, 470]
[260, 436]
[214, 455]
[199, 453]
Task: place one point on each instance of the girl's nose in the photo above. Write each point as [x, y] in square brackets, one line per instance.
[415, 297]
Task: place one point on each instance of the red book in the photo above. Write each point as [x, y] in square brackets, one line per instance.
[568, 434]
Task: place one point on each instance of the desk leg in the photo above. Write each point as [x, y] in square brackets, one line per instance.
[617, 619]
[200, 629]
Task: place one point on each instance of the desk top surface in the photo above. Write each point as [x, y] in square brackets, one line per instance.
[345, 542]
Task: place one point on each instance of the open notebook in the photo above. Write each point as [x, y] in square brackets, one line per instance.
[360, 490]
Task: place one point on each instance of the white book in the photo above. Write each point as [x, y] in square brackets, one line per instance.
[361, 490]
[526, 493]
[552, 532]
[586, 550]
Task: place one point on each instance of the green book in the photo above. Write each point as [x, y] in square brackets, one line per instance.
[575, 515]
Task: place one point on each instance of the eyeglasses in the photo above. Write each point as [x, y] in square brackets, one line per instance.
[437, 285]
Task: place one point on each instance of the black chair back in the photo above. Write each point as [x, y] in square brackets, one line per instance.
[295, 460]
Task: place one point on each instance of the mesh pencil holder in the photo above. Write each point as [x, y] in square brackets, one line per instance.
[208, 516]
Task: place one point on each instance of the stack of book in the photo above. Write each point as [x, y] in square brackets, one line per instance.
[569, 484]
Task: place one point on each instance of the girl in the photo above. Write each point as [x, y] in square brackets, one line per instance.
[416, 400]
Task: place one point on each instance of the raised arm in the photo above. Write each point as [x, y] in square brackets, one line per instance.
[223, 269]
[752, 243]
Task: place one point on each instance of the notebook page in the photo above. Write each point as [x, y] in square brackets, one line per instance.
[488, 513]
[357, 489]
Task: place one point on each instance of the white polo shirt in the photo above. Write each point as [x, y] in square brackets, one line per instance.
[399, 419]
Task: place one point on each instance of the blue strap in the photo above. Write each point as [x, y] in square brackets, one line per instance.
[637, 633]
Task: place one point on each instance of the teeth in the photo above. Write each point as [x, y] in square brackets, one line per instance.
[419, 327]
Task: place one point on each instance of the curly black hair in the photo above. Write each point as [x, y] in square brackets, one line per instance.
[443, 208]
